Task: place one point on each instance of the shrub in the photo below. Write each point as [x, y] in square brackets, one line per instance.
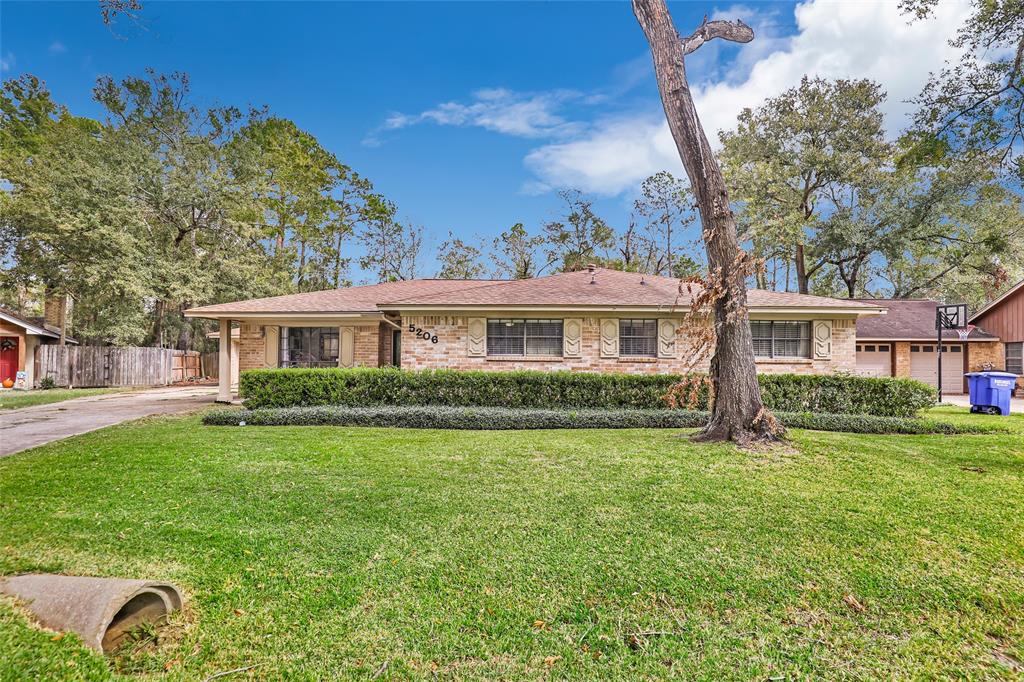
[561, 390]
[497, 418]
[47, 383]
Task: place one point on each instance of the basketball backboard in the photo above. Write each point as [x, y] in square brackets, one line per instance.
[951, 316]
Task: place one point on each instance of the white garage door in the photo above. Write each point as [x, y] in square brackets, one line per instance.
[923, 366]
[874, 359]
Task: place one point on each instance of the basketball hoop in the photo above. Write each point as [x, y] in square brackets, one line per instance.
[964, 332]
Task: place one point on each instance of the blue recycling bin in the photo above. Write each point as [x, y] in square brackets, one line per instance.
[990, 391]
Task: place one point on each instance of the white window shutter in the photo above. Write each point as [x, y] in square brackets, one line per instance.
[821, 335]
[272, 345]
[477, 337]
[347, 347]
[572, 337]
[609, 338]
[666, 338]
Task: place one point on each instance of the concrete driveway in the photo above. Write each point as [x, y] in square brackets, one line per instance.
[31, 426]
[1016, 404]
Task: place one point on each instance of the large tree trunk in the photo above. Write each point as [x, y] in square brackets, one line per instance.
[802, 280]
[738, 413]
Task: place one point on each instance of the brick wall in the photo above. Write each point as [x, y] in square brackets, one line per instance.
[980, 354]
[367, 346]
[384, 344]
[251, 347]
[451, 352]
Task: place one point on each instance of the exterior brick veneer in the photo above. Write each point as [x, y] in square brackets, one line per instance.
[251, 347]
[254, 354]
[981, 354]
[451, 352]
[373, 349]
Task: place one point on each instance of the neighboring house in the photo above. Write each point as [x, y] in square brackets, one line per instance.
[903, 342]
[593, 320]
[1005, 318]
[19, 337]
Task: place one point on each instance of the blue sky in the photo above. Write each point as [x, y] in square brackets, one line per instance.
[469, 115]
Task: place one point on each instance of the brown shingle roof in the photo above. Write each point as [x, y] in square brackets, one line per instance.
[348, 300]
[907, 320]
[600, 288]
[604, 287]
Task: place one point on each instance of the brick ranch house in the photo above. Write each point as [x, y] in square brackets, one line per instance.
[594, 320]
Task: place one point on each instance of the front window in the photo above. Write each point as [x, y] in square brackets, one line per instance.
[524, 337]
[638, 338]
[1015, 358]
[781, 339]
[309, 347]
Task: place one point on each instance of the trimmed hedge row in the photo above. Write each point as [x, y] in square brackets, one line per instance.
[842, 394]
[496, 418]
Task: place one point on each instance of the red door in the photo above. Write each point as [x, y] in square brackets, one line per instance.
[8, 358]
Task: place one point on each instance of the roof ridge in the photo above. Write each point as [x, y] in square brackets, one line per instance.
[483, 283]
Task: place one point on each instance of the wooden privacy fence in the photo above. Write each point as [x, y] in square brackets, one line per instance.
[95, 366]
[209, 365]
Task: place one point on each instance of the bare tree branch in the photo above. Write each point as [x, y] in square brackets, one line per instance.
[736, 32]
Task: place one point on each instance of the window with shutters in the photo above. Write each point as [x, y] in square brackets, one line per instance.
[309, 347]
[537, 338]
[785, 339]
[638, 338]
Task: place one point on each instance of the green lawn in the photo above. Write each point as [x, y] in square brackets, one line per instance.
[12, 400]
[317, 553]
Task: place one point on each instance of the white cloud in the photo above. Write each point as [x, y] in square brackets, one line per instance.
[57, 47]
[833, 40]
[521, 114]
[7, 62]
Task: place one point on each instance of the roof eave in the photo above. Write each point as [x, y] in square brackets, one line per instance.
[997, 301]
[33, 329]
[282, 314]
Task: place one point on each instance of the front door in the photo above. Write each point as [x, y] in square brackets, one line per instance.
[8, 358]
[396, 347]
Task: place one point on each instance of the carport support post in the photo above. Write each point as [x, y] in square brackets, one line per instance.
[224, 362]
[938, 349]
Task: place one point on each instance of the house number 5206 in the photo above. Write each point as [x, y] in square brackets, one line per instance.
[420, 334]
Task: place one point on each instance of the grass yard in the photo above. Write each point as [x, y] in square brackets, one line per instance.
[12, 400]
[315, 553]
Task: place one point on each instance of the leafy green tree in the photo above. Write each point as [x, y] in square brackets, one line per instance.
[67, 223]
[459, 260]
[391, 250]
[515, 254]
[790, 155]
[666, 203]
[178, 170]
[580, 236]
[914, 228]
[308, 201]
[977, 103]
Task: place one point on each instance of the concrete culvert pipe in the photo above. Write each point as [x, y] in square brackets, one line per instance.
[99, 610]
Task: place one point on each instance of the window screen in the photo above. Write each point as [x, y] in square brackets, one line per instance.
[309, 347]
[542, 338]
[638, 338]
[1015, 358]
[781, 339]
